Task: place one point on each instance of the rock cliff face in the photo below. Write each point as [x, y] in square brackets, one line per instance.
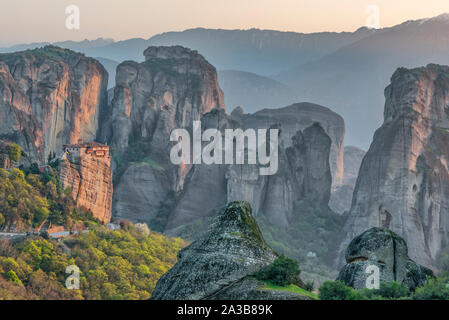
[222, 260]
[299, 116]
[49, 97]
[176, 86]
[86, 170]
[303, 174]
[171, 89]
[404, 177]
[341, 197]
[191, 213]
[388, 252]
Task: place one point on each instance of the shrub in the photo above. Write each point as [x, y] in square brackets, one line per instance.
[12, 276]
[14, 152]
[393, 290]
[336, 290]
[433, 289]
[282, 272]
[309, 286]
[387, 290]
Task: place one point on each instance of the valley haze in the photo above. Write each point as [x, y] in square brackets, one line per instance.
[238, 160]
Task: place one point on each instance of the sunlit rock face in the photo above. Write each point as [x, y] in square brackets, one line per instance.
[404, 179]
[172, 88]
[50, 97]
[85, 170]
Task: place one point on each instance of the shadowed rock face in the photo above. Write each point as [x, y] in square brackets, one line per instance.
[386, 250]
[341, 196]
[50, 97]
[220, 261]
[176, 86]
[172, 88]
[299, 116]
[303, 174]
[404, 178]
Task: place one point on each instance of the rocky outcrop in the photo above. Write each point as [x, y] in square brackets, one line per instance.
[171, 89]
[191, 213]
[404, 177]
[303, 174]
[85, 170]
[49, 97]
[299, 116]
[341, 196]
[388, 252]
[218, 265]
[176, 86]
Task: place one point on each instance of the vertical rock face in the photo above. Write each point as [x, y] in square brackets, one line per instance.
[303, 174]
[203, 182]
[299, 116]
[50, 97]
[341, 197]
[86, 170]
[404, 177]
[171, 89]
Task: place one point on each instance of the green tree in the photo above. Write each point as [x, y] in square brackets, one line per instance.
[282, 272]
[12, 276]
[433, 289]
[336, 290]
[14, 152]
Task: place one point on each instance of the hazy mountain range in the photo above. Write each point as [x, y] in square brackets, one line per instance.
[346, 71]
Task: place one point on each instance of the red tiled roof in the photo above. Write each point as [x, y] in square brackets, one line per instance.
[92, 144]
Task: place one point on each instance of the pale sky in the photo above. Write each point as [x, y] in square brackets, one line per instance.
[23, 21]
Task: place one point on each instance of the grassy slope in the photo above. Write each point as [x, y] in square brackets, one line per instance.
[291, 288]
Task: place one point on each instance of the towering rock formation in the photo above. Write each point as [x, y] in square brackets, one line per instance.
[176, 86]
[404, 177]
[50, 97]
[299, 116]
[191, 213]
[86, 170]
[303, 174]
[218, 264]
[171, 89]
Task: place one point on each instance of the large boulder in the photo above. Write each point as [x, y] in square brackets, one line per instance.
[384, 249]
[220, 261]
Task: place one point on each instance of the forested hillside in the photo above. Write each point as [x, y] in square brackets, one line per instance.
[121, 264]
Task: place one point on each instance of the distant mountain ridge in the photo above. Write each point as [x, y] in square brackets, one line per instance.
[254, 92]
[266, 52]
[346, 71]
[352, 79]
